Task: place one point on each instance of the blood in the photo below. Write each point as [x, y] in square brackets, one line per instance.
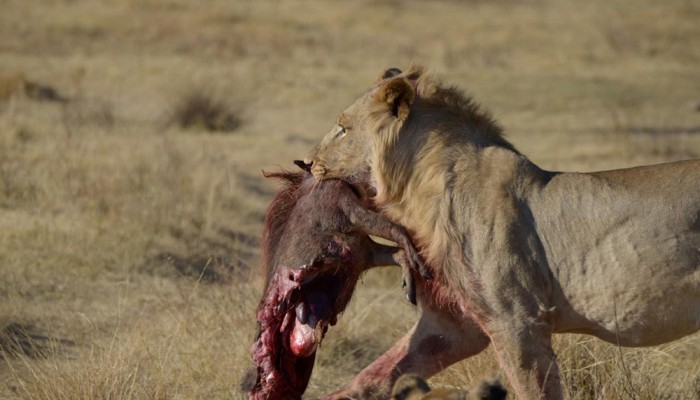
[302, 341]
[313, 256]
[281, 375]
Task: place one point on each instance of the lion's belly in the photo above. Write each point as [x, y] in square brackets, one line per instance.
[632, 320]
[633, 294]
[624, 248]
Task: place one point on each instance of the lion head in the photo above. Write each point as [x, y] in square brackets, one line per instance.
[406, 124]
[347, 149]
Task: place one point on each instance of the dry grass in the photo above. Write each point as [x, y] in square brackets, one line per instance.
[199, 109]
[128, 247]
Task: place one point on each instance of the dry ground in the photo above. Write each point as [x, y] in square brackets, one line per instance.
[129, 244]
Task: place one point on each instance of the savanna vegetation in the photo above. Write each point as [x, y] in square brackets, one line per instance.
[133, 135]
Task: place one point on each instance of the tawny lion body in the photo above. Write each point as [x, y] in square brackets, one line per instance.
[518, 253]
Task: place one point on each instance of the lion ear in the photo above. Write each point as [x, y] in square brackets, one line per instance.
[398, 94]
[389, 73]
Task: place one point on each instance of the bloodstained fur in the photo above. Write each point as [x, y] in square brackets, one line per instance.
[310, 235]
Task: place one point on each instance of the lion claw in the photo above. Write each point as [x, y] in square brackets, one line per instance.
[409, 285]
[418, 265]
[424, 271]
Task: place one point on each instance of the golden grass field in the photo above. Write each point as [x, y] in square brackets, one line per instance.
[129, 241]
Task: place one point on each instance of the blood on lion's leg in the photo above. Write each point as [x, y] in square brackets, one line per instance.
[438, 340]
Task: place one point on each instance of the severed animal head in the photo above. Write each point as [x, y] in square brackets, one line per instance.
[314, 252]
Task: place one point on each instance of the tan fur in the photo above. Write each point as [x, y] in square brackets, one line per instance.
[413, 387]
[518, 253]
[409, 387]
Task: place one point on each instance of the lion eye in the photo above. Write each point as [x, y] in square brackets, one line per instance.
[340, 132]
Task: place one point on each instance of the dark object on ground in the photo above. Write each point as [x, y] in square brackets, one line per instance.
[413, 387]
[18, 85]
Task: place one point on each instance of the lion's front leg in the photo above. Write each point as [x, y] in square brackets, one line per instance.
[375, 224]
[526, 356]
[438, 340]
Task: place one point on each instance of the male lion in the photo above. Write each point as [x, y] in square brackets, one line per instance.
[517, 253]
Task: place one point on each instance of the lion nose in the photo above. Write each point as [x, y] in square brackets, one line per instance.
[305, 164]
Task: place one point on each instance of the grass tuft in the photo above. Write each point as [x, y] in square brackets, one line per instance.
[200, 110]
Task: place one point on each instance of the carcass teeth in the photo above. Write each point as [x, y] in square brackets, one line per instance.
[285, 322]
[282, 306]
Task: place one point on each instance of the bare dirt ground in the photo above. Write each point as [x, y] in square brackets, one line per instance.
[133, 135]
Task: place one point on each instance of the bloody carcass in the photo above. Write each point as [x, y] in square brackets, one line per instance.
[315, 246]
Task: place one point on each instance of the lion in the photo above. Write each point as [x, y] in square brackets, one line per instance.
[413, 387]
[518, 253]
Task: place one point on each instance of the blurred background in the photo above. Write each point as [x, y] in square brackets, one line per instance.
[133, 135]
